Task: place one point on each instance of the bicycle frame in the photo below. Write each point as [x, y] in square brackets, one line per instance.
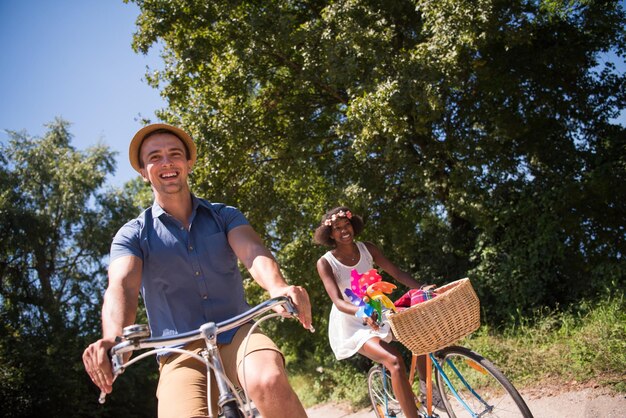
[452, 388]
[134, 339]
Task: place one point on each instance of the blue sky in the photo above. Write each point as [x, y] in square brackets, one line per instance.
[73, 59]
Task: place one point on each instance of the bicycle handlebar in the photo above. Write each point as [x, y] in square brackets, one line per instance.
[130, 344]
[186, 337]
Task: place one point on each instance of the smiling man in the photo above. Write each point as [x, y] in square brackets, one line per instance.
[182, 255]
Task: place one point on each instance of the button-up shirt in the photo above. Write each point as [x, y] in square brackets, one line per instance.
[190, 276]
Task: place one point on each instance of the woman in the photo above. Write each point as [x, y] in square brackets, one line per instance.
[347, 333]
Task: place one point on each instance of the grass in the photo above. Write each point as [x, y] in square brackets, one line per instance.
[340, 384]
[582, 344]
[577, 345]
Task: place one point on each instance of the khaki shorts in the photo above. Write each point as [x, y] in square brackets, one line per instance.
[182, 390]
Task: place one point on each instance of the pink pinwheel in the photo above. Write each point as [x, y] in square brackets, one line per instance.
[360, 282]
[368, 293]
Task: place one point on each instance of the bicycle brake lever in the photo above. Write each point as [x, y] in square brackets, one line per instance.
[103, 395]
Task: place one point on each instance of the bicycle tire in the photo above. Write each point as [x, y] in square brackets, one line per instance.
[381, 394]
[231, 410]
[487, 381]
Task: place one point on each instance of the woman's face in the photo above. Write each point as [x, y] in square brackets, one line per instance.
[341, 231]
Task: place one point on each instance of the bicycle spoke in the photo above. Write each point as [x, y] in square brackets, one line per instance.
[381, 394]
[481, 389]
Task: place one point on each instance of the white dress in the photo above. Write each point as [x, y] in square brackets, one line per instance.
[346, 333]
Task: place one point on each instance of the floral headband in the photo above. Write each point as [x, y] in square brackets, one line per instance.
[340, 214]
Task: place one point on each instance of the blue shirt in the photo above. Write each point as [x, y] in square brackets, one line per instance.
[190, 276]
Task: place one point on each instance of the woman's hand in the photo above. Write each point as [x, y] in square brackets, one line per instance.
[372, 321]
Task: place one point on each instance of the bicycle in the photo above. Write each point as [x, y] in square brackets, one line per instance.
[231, 403]
[469, 384]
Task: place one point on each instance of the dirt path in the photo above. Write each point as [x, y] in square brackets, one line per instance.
[587, 402]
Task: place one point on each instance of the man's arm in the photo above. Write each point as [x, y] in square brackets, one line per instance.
[264, 269]
[122, 296]
[118, 310]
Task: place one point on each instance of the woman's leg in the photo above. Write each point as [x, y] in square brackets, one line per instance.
[384, 353]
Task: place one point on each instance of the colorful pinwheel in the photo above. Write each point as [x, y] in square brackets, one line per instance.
[367, 291]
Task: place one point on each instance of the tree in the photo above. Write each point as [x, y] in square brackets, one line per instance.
[477, 137]
[56, 226]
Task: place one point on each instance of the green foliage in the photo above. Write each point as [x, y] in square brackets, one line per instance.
[56, 226]
[476, 138]
[343, 382]
[140, 192]
[584, 342]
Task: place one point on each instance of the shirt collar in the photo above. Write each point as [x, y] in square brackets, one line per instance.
[157, 210]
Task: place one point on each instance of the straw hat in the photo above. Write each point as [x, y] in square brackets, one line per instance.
[135, 143]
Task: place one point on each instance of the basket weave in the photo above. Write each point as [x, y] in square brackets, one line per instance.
[439, 322]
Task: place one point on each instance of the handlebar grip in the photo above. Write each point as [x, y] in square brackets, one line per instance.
[291, 308]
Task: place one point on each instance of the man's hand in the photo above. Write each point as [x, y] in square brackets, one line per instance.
[98, 365]
[300, 299]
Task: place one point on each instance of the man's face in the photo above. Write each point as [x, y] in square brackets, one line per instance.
[165, 163]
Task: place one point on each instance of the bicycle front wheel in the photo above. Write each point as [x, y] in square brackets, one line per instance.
[482, 388]
[381, 394]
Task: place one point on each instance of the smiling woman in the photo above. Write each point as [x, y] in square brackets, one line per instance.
[349, 330]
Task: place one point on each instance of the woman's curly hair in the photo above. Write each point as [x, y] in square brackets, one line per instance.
[322, 232]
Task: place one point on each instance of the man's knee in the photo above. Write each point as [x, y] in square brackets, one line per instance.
[265, 373]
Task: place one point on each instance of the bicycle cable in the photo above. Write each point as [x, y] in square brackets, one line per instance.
[254, 326]
[195, 356]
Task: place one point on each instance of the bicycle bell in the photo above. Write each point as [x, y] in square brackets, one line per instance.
[136, 331]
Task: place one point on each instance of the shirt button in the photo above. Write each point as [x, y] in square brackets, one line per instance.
[205, 297]
[197, 273]
[190, 248]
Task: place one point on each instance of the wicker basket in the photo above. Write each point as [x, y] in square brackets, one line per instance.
[439, 322]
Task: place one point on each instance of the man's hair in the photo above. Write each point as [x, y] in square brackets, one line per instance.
[162, 131]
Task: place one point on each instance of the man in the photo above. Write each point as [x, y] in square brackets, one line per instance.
[182, 255]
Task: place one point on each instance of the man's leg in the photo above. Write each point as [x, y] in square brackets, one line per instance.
[268, 385]
[182, 390]
[265, 375]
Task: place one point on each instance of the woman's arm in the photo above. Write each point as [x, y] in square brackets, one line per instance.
[325, 272]
[393, 270]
